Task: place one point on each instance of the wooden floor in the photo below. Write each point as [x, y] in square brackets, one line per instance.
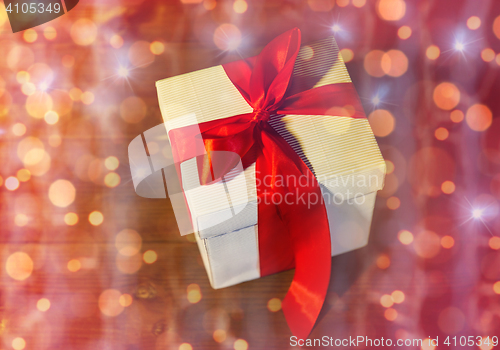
[102, 299]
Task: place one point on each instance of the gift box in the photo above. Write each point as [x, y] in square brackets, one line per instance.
[273, 163]
[340, 151]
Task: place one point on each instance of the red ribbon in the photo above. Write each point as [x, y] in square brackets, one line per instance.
[289, 235]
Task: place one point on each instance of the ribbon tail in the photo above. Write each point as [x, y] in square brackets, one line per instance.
[305, 239]
[305, 298]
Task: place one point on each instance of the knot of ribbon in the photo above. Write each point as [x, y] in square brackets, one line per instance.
[261, 115]
[289, 235]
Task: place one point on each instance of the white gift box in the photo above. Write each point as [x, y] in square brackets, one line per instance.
[340, 151]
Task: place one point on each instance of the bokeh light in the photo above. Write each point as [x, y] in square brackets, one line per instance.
[83, 32]
[193, 293]
[185, 346]
[125, 300]
[427, 244]
[111, 163]
[448, 187]
[240, 6]
[479, 117]
[19, 129]
[50, 33]
[18, 343]
[219, 335]
[390, 314]
[149, 256]
[51, 117]
[347, 54]
[30, 35]
[393, 203]
[398, 296]
[386, 300]
[23, 175]
[391, 10]
[22, 77]
[128, 242]
[227, 37]
[382, 122]
[157, 47]
[240, 344]
[383, 261]
[11, 183]
[446, 96]
[96, 218]
[87, 98]
[359, 3]
[389, 166]
[274, 304]
[486, 343]
[133, 109]
[74, 265]
[109, 302]
[116, 41]
[433, 52]
[128, 264]
[373, 63]
[488, 55]
[112, 180]
[473, 22]
[209, 5]
[394, 63]
[447, 242]
[441, 134]
[321, 5]
[70, 219]
[496, 27]
[38, 103]
[21, 220]
[19, 266]
[43, 304]
[405, 237]
[62, 193]
[404, 32]
[494, 242]
[457, 116]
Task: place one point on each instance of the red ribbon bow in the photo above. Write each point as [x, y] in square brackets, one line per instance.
[289, 235]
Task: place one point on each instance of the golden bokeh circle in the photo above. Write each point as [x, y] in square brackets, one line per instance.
[372, 63]
[83, 32]
[391, 10]
[479, 117]
[227, 37]
[19, 266]
[382, 122]
[446, 96]
[62, 193]
[394, 63]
